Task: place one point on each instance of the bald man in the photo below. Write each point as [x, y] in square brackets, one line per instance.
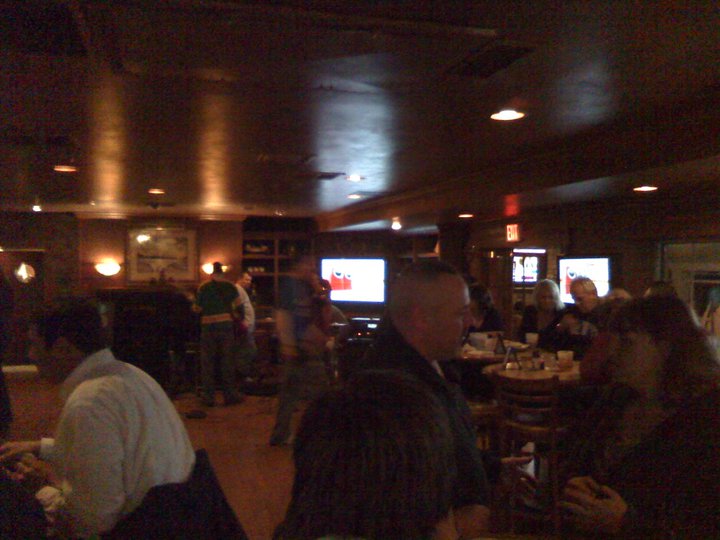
[429, 313]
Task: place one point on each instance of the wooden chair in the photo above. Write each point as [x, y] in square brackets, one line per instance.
[530, 422]
[486, 418]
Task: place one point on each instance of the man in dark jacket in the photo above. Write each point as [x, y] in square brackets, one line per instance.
[428, 316]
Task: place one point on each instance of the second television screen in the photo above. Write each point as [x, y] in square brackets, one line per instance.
[595, 268]
[355, 280]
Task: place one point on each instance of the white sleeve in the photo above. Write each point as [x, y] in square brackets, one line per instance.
[92, 457]
[248, 310]
[47, 448]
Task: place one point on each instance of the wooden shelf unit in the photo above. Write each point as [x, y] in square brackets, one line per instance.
[267, 256]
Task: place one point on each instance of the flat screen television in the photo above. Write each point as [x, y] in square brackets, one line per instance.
[595, 268]
[526, 269]
[355, 280]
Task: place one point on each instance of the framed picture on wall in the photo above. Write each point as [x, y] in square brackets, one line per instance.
[153, 253]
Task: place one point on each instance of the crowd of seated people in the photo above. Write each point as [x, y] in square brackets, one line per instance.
[390, 454]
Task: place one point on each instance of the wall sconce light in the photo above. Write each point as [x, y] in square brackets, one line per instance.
[208, 268]
[108, 268]
[396, 225]
[24, 273]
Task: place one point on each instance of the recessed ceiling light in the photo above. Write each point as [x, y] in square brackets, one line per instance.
[156, 191]
[354, 196]
[353, 177]
[645, 188]
[507, 114]
[65, 168]
[466, 216]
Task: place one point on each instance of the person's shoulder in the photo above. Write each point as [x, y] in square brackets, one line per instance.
[203, 286]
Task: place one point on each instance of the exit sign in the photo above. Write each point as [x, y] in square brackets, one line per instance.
[512, 232]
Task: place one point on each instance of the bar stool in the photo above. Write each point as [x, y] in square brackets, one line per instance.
[530, 421]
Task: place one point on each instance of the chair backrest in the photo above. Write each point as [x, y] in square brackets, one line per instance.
[529, 401]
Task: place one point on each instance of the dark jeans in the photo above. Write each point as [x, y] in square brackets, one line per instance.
[246, 353]
[216, 342]
[303, 379]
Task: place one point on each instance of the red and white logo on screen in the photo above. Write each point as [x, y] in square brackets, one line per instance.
[340, 281]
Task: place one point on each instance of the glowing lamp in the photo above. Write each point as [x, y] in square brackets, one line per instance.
[108, 268]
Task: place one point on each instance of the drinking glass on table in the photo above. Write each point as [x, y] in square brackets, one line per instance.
[565, 359]
[549, 360]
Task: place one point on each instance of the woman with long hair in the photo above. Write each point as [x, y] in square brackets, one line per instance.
[543, 315]
[644, 464]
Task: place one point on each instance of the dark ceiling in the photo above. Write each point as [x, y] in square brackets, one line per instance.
[263, 108]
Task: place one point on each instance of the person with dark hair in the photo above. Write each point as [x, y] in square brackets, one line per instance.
[660, 288]
[428, 316]
[216, 302]
[374, 461]
[303, 321]
[644, 463]
[594, 367]
[118, 435]
[486, 317]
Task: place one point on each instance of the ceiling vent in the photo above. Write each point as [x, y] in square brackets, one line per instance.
[485, 62]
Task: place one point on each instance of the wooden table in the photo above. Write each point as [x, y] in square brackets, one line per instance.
[481, 359]
[568, 376]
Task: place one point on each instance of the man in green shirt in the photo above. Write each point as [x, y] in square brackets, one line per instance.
[216, 301]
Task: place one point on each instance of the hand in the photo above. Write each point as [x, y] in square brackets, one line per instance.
[514, 477]
[11, 451]
[472, 521]
[33, 473]
[593, 507]
[241, 328]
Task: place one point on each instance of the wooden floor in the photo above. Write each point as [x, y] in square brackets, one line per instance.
[256, 477]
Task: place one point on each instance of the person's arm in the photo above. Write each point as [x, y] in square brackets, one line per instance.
[248, 310]
[284, 321]
[286, 333]
[472, 521]
[14, 449]
[91, 461]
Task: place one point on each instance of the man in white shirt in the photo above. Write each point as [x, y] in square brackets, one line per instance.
[118, 435]
[245, 342]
